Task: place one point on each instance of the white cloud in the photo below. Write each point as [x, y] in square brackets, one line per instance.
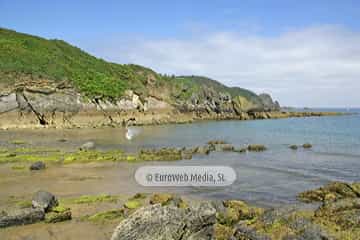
[317, 66]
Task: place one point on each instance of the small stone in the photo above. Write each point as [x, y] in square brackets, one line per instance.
[37, 166]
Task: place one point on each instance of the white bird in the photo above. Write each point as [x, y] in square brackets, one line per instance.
[131, 132]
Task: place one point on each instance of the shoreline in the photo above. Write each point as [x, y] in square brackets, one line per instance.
[18, 120]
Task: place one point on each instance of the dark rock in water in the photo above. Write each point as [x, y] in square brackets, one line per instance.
[87, 146]
[44, 200]
[293, 147]
[307, 145]
[256, 148]
[167, 222]
[21, 217]
[37, 166]
[247, 233]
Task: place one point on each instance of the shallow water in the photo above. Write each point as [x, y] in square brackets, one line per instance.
[271, 177]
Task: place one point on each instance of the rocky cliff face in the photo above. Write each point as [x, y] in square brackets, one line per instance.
[49, 103]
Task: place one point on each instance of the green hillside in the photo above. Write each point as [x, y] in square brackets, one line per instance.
[23, 55]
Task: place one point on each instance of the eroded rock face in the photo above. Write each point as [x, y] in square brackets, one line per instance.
[157, 222]
[8, 103]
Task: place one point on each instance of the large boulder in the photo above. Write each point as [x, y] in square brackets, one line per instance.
[44, 200]
[168, 222]
[21, 217]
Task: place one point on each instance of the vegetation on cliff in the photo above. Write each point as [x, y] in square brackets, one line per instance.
[29, 59]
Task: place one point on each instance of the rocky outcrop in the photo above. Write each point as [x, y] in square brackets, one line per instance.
[168, 222]
[21, 217]
[268, 103]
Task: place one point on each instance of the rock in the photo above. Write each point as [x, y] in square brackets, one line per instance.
[344, 212]
[224, 147]
[214, 142]
[240, 150]
[268, 103]
[87, 146]
[21, 217]
[293, 147]
[148, 223]
[37, 166]
[203, 150]
[222, 232]
[330, 192]
[243, 232]
[44, 200]
[307, 145]
[256, 148]
[186, 153]
[162, 198]
[59, 214]
[163, 154]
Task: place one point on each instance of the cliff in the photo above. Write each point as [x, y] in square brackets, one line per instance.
[50, 82]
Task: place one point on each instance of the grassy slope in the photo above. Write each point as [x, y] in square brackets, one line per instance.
[56, 60]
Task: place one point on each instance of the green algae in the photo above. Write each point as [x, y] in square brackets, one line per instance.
[89, 199]
[111, 215]
[132, 204]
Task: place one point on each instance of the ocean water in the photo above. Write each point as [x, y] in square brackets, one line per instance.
[269, 178]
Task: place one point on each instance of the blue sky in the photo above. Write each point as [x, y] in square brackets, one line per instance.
[271, 46]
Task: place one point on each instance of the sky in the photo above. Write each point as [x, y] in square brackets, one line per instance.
[304, 53]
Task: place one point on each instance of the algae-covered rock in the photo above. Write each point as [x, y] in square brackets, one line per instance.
[243, 232]
[162, 198]
[344, 212]
[332, 191]
[307, 145]
[222, 232]
[224, 147]
[256, 148]
[58, 214]
[163, 154]
[215, 142]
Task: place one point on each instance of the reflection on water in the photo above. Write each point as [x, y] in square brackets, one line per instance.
[272, 176]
